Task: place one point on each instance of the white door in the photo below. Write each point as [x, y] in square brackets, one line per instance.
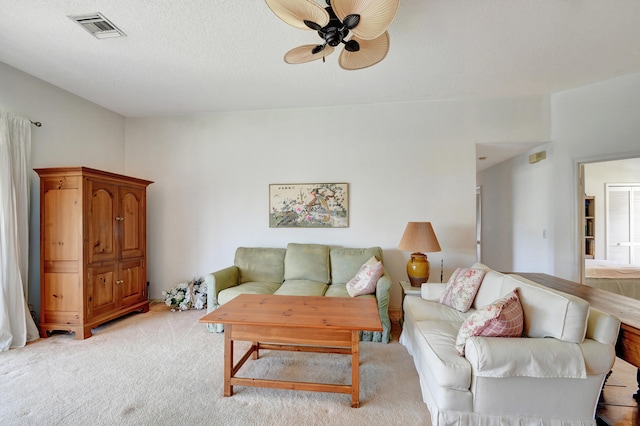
[623, 223]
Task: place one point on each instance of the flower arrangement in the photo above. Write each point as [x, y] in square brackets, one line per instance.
[187, 295]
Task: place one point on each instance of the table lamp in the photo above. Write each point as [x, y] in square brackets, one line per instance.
[418, 237]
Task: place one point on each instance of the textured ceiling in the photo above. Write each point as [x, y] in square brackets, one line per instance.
[219, 55]
[182, 57]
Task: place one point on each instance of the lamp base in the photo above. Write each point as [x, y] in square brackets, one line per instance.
[418, 269]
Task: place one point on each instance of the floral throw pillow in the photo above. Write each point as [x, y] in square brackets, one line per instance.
[462, 287]
[366, 279]
[502, 318]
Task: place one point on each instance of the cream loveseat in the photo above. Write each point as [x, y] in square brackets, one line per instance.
[552, 375]
[298, 270]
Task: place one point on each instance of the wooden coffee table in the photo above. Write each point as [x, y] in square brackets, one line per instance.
[295, 323]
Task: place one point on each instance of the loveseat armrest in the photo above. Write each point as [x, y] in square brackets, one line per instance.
[525, 357]
[218, 281]
[383, 290]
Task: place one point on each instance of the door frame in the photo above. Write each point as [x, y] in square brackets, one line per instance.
[578, 218]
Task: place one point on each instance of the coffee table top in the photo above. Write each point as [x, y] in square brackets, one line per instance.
[299, 311]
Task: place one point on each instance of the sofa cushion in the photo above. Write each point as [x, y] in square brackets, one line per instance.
[366, 279]
[346, 262]
[547, 312]
[307, 262]
[340, 290]
[255, 287]
[439, 355]
[301, 288]
[503, 318]
[260, 264]
[420, 310]
[462, 288]
[491, 288]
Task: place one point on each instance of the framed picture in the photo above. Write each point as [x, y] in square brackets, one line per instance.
[309, 205]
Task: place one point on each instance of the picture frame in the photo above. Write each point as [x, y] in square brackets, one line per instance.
[309, 205]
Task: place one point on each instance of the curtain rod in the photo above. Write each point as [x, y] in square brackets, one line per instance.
[36, 123]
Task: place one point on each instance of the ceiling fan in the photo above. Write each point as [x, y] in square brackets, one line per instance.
[360, 25]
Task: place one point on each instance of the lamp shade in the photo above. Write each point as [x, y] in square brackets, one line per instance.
[419, 237]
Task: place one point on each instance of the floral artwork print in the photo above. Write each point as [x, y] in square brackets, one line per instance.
[309, 205]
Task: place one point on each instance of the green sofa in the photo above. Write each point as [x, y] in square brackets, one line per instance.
[298, 270]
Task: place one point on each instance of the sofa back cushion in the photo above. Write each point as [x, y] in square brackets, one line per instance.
[547, 312]
[307, 262]
[491, 288]
[346, 262]
[257, 264]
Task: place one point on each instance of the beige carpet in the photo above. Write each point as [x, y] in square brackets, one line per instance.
[163, 367]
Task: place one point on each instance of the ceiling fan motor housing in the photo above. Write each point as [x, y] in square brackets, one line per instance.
[335, 31]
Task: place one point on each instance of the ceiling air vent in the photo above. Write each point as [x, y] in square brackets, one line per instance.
[98, 25]
[538, 156]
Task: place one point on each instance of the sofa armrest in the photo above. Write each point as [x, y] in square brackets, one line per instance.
[218, 281]
[432, 291]
[525, 357]
[602, 327]
[383, 290]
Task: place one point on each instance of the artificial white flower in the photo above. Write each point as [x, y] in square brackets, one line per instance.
[187, 295]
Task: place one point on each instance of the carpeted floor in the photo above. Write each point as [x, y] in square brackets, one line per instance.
[163, 367]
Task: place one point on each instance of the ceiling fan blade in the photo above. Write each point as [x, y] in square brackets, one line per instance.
[295, 12]
[302, 54]
[375, 15]
[370, 53]
[313, 25]
[351, 21]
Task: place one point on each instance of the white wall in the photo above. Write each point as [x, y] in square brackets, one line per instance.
[403, 162]
[591, 123]
[74, 132]
[517, 229]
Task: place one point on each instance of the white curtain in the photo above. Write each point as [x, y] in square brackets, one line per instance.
[16, 325]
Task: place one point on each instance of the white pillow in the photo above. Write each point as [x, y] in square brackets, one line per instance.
[462, 288]
[366, 279]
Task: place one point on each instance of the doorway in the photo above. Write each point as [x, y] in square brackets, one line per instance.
[595, 177]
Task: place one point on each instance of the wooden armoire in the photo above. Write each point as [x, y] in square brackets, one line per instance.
[92, 248]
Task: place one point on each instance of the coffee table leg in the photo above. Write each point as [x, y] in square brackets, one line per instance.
[228, 360]
[256, 353]
[355, 369]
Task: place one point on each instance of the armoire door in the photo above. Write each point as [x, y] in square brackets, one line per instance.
[101, 221]
[131, 283]
[102, 291]
[131, 220]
